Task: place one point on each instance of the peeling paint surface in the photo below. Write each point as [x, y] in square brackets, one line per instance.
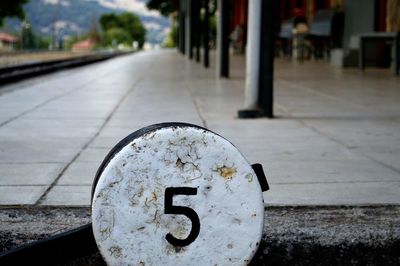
[128, 216]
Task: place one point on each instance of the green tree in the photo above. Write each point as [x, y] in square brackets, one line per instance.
[30, 39]
[11, 8]
[166, 7]
[116, 36]
[108, 21]
[170, 39]
[122, 28]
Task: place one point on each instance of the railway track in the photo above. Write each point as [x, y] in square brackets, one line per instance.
[19, 72]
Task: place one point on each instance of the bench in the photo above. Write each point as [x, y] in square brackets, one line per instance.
[326, 31]
[286, 33]
[392, 37]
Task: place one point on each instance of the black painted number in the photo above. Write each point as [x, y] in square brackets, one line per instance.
[188, 212]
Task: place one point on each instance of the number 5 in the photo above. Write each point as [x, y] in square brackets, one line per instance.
[169, 208]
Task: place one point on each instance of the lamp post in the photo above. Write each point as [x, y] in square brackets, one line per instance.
[24, 27]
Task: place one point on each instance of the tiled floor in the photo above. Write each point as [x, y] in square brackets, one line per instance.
[336, 138]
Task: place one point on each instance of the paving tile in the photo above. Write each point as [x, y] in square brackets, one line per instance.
[20, 195]
[328, 171]
[68, 196]
[73, 135]
[27, 121]
[79, 173]
[29, 173]
[101, 142]
[48, 151]
[344, 193]
[375, 138]
[93, 155]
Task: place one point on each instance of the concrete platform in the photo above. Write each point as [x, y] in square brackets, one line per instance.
[335, 140]
[292, 235]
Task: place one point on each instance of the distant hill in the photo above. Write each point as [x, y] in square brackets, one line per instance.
[75, 17]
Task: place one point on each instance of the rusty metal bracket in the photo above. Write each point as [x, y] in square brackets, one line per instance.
[262, 178]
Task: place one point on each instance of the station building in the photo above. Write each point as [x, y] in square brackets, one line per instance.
[346, 33]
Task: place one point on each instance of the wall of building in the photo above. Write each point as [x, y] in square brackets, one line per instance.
[359, 17]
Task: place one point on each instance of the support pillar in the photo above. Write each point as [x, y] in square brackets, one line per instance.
[259, 59]
[269, 10]
[188, 29]
[397, 54]
[197, 27]
[223, 38]
[206, 34]
[182, 14]
[253, 55]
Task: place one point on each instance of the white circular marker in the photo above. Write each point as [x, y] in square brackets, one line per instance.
[177, 194]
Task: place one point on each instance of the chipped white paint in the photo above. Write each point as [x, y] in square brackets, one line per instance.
[129, 223]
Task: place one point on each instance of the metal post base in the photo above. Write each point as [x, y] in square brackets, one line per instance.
[250, 113]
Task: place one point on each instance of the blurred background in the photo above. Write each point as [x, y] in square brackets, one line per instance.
[305, 29]
[34, 30]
